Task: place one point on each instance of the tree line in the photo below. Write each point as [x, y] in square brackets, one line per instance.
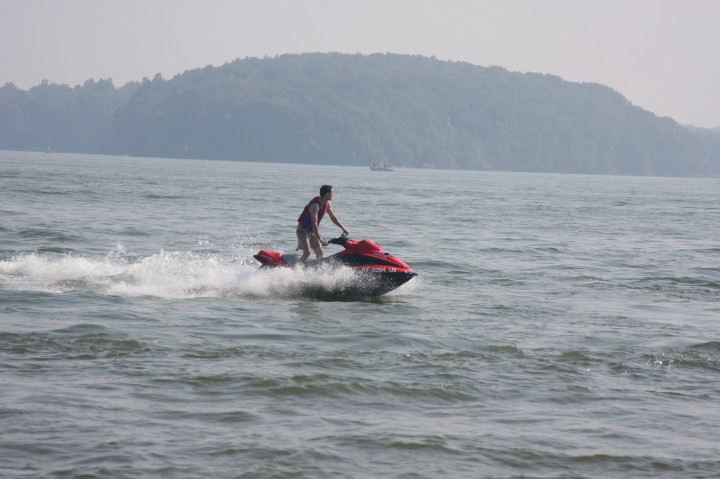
[358, 109]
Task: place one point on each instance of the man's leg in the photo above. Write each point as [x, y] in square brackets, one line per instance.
[316, 246]
[303, 244]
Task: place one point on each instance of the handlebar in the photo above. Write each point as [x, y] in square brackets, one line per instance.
[340, 240]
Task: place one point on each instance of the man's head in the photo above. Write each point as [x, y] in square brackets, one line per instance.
[325, 189]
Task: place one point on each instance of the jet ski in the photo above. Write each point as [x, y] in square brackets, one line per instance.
[374, 271]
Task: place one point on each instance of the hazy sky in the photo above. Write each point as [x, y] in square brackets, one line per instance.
[662, 55]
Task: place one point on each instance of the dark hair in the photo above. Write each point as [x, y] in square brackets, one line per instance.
[325, 189]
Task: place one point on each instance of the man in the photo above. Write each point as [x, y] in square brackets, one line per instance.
[308, 233]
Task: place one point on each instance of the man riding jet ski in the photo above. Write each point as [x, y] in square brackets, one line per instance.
[376, 272]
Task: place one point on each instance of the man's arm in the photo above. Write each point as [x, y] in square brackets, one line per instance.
[335, 220]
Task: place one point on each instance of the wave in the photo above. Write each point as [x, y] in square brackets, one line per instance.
[687, 281]
[48, 234]
[80, 342]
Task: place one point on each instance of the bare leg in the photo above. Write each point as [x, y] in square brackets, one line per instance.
[304, 245]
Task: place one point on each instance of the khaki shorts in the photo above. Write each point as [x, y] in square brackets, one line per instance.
[306, 240]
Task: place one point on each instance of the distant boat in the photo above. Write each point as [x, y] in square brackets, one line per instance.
[381, 167]
[48, 150]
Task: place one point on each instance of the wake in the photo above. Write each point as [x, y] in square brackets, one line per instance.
[166, 275]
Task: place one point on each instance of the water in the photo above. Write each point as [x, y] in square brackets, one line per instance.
[561, 326]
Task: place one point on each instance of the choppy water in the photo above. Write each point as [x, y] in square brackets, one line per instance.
[561, 326]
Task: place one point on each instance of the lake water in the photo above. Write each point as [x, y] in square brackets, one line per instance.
[561, 326]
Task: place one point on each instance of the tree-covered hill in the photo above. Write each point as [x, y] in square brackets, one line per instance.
[356, 109]
[75, 119]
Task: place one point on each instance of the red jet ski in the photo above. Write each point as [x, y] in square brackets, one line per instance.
[376, 272]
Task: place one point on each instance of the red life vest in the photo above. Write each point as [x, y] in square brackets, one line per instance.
[305, 219]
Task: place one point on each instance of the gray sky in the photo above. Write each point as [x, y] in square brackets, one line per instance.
[662, 55]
